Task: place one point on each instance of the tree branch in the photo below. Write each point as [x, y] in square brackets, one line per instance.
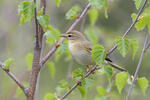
[130, 27]
[12, 76]
[55, 46]
[78, 83]
[138, 66]
[37, 54]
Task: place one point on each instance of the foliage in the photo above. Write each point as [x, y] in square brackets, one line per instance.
[143, 83]
[144, 19]
[98, 54]
[121, 80]
[52, 69]
[29, 58]
[73, 12]
[26, 10]
[124, 44]
[7, 63]
[49, 96]
[19, 92]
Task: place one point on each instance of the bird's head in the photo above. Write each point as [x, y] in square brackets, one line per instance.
[74, 36]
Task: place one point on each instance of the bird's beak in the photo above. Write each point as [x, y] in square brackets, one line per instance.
[64, 35]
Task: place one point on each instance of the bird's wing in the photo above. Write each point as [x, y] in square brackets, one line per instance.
[88, 46]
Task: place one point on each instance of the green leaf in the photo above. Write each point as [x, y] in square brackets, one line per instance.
[26, 10]
[49, 96]
[29, 58]
[123, 45]
[52, 34]
[138, 3]
[140, 24]
[121, 80]
[101, 97]
[98, 54]
[78, 73]
[101, 91]
[82, 91]
[134, 46]
[91, 36]
[143, 83]
[93, 15]
[144, 19]
[73, 12]
[43, 20]
[108, 70]
[97, 3]
[51, 67]
[19, 91]
[63, 84]
[7, 63]
[58, 2]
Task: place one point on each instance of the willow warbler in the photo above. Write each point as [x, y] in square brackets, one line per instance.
[80, 49]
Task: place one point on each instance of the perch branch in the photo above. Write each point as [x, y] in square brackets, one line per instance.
[78, 83]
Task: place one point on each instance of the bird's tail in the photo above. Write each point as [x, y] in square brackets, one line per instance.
[109, 61]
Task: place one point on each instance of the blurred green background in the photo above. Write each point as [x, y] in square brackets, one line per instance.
[17, 41]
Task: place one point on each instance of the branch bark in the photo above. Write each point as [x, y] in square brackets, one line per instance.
[130, 27]
[138, 66]
[78, 83]
[37, 54]
[55, 46]
[12, 76]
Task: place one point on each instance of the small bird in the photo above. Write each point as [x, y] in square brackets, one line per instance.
[80, 49]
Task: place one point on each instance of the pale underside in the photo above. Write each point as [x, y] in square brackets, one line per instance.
[81, 53]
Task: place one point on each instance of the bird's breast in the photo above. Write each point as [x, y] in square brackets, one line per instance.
[80, 54]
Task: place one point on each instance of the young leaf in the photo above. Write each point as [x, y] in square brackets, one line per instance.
[138, 3]
[73, 12]
[134, 46]
[101, 91]
[97, 3]
[19, 92]
[58, 2]
[93, 15]
[143, 83]
[140, 24]
[51, 67]
[108, 70]
[82, 91]
[26, 8]
[91, 36]
[123, 45]
[78, 73]
[52, 34]
[49, 96]
[121, 80]
[7, 63]
[98, 54]
[43, 20]
[29, 58]
[63, 84]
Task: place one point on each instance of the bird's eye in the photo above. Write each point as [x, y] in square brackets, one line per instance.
[69, 35]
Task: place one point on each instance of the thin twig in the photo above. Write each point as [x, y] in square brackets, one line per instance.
[131, 26]
[12, 76]
[78, 83]
[138, 66]
[54, 48]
